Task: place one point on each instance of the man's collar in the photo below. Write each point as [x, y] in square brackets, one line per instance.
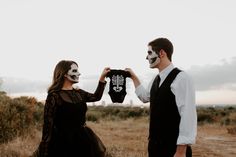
[166, 71]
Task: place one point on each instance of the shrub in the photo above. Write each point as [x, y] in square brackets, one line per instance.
[17, 115]
[205, 118]
[115, 112]
[232, 130]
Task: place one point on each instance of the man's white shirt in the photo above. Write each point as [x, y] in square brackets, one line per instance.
[183, 89]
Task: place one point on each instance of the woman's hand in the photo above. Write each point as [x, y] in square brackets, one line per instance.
[104, 74]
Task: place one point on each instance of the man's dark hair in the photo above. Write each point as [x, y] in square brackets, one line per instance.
[162, 43]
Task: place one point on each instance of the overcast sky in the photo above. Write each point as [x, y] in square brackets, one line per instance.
[36, 34]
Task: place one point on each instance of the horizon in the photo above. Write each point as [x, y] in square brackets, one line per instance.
[106, 100]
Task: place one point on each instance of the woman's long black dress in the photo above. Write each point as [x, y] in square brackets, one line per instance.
[64, 133]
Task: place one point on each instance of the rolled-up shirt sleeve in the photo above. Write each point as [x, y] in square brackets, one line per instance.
[142, 94]
[184, 92]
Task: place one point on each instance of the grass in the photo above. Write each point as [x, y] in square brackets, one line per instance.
[123, 130]
[123, 138]
[128, 138]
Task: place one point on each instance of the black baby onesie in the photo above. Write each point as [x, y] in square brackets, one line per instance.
[117, 88]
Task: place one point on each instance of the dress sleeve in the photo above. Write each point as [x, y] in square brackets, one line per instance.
[96, 96]
[49, 112]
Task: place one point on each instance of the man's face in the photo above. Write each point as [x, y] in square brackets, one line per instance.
[152, 57]
[73, 74]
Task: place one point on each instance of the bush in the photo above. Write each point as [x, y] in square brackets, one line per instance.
[232, 130]
[221, 115]
[17, 115]
[205, 118]
[95, 113]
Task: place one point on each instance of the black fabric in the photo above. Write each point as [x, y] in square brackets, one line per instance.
[98, 149]
[117, 86]
[64, 130]
[157, 149]
[70, 135]
[156, 83]
[164, 116]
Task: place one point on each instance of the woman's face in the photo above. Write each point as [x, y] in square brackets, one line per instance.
[73, 74]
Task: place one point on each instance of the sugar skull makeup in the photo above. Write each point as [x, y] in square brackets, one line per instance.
[152, 57]
[73, 74]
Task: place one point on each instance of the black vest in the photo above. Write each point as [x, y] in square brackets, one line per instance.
[164, 115]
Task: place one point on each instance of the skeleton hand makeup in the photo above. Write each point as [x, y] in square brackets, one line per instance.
[73, 74]
[152, 57]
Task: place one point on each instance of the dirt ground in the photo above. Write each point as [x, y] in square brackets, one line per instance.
[214, 141]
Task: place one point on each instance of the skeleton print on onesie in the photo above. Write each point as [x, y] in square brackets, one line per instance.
[117, 88]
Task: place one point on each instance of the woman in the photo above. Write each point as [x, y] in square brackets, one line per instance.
[65, 133]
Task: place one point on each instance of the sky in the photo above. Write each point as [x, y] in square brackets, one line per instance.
[36, 34]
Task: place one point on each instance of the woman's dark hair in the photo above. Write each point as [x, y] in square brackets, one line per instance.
[162, 43]
[59, 75]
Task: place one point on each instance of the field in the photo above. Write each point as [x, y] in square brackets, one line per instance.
[128, 138]
[124, 130]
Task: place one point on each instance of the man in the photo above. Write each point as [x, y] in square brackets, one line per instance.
[173, 117]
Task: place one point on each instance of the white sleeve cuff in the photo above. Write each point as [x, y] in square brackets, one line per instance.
[138, 90]
[183, 140]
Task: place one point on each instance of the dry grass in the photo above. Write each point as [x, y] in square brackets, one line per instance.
[213, 140]
[21, 146]
[128, 138]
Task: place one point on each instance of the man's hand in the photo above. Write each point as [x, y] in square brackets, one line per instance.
[181, 151]
[133, 77]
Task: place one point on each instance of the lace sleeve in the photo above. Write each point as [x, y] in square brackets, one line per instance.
[96, 96]
[49, 112]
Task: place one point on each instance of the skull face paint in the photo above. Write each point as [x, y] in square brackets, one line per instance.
[152, 57]
[73, 74]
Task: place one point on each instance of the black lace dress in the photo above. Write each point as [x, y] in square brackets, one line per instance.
[64, 133]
